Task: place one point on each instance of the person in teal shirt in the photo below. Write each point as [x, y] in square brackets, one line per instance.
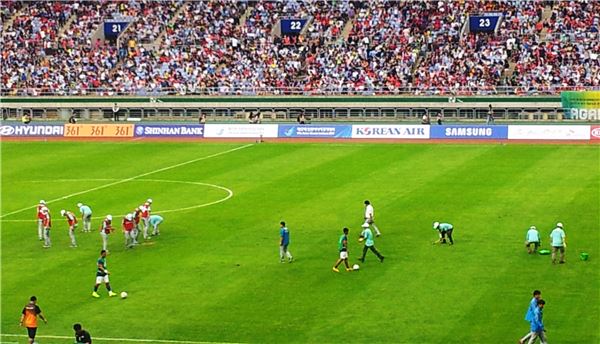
[445, 229]
[559, 242]
[156, 220]
[367, 236]
[86, 216]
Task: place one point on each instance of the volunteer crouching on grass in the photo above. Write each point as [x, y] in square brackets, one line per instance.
[532, 238]
[445, 229]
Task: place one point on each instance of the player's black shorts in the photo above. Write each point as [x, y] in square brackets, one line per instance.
[31, 331]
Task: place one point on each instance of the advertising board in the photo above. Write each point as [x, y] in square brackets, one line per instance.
[469, 132]
[315, 131]
[391, 131]
[240, 130]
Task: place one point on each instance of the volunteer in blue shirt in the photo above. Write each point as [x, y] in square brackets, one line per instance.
[532, 238]
[559, 243]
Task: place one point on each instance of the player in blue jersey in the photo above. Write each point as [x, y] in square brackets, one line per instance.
[284, 241]
[530, 313]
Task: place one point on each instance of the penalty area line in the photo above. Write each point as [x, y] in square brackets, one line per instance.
[134, 340]
[131, 178]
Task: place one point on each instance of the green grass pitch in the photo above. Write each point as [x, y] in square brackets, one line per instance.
[214, 273]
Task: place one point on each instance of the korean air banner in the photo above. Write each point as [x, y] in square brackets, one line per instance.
[32, 130]
[385, 131]
[169, 130]
[315, 131]
[499, 132]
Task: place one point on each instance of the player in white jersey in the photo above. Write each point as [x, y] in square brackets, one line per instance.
[145, 208]
[370, 217]
[105, 231]
[40, 219]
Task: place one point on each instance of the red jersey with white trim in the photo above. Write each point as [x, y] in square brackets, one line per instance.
[71, 219]
[145, 210]
[136, 216]
[40, 214]
[47, 220]
[128, 225]
[106, 226]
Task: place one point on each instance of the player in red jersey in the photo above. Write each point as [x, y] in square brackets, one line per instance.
[72, 220]
[40, 219]
[47, 224]
[128, 225]
[137, 216]
[105, 230]
[146, 216]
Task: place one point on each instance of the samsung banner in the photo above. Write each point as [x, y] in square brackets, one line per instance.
[240, 130]
[383, 131]
[549, 132]
[170, 130]
[32, 130]
[499, 132]
[315, 131]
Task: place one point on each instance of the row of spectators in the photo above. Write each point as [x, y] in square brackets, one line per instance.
[354, 47]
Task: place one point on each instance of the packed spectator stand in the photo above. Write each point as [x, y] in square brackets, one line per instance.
[222, 47]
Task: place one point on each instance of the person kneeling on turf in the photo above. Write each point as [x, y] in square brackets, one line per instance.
[532, 238]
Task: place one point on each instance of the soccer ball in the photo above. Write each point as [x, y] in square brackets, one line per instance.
[123, 294]
[355, 267]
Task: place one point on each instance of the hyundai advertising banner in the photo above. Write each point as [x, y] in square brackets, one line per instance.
[384, 131]
[32, 130]
[315, 131]
[549, 132]
[169, 130]
[499, 132]
[240, 130]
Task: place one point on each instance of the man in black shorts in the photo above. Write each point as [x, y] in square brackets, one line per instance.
[29, 318]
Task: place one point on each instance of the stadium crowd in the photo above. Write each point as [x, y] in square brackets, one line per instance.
[347, 47]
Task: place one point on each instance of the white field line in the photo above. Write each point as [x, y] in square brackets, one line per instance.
[130, 178]
[134, 340]
[229, 195]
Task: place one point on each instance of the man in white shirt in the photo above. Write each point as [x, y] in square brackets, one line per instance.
[559, 242]
[370, 217]
[532, 238]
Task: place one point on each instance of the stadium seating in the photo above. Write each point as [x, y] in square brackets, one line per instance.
[348, 47]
